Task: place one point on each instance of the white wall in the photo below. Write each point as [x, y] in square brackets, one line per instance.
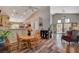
[64, 9]
[45, 14]
[35, 24]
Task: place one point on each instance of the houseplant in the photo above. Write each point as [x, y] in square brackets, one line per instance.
[3, 36]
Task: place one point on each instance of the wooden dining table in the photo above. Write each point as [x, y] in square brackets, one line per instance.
[27, 39]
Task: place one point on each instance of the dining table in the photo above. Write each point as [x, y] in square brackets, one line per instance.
[26, 38]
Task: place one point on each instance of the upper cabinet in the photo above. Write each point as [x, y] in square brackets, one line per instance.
[4, 20]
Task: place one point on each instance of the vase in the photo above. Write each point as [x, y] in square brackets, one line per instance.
[2, 42]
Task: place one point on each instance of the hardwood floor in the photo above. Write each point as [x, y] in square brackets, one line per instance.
[43, 47]
[46, 46]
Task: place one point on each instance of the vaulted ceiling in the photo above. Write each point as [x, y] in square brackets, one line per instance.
[18, 13]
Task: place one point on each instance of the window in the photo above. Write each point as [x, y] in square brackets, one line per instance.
[59, 21]
[67, 20]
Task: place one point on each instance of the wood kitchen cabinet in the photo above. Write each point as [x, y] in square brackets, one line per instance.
[4, 20]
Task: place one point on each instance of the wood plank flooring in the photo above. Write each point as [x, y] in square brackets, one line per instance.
[43, 47]
[47, 46]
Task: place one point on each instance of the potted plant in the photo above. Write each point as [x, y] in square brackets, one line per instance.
[3, 36]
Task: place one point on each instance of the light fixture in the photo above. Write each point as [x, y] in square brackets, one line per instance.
[67, 20]
[59, 21]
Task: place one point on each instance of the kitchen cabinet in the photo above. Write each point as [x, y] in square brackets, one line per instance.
[4, 20]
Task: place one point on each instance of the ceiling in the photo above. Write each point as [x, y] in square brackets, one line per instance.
[18, 13]
[64, 9]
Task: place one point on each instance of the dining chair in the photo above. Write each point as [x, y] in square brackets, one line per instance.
[21, 44]
[10, 46]
[34, 42]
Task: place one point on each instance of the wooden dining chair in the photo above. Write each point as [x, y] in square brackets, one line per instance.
[10, 46]
[21, 44]
[34, 42]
